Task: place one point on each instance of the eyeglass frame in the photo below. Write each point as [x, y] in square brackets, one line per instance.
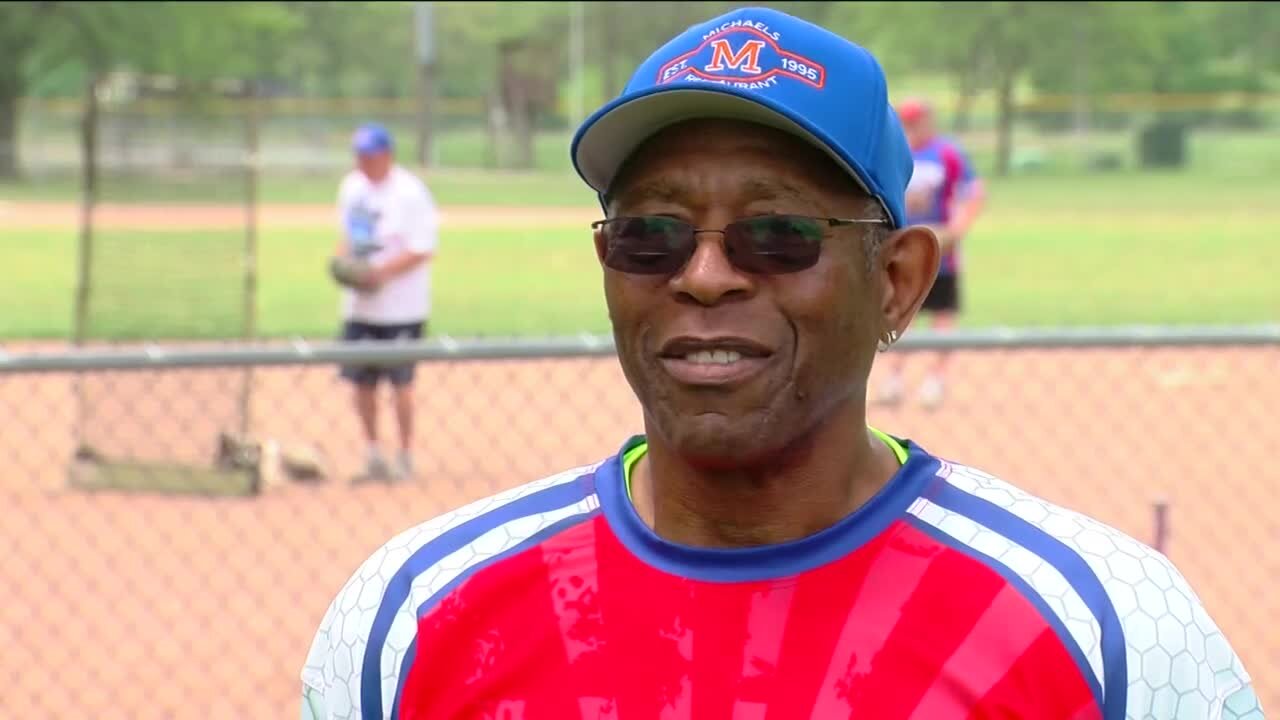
[831, 222]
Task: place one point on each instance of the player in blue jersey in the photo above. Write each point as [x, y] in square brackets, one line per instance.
[945, 194]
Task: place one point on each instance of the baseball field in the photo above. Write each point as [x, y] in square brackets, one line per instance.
[203, 607]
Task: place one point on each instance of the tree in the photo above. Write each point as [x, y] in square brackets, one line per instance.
[979, 45]
[22, 26]
[350, 49]
[196, 41]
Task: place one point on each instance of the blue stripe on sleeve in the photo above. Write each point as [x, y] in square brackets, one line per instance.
[532, 541]
[1013, 578]
[1072, 566]
[397, 590]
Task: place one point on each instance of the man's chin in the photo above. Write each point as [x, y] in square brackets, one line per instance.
[719, 442]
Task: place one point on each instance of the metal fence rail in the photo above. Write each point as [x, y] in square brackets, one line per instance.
[444, 348]
[201, 603]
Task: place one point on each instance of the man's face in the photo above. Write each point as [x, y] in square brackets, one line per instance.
[807, 338]
[919, 131]
[375, 166]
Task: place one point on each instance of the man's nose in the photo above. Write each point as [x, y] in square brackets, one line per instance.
[710, 277]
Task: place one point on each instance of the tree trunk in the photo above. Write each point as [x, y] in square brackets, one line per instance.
[522, 132]
[517, 102]
[1080, 115]
[88, 201]
[10, 94]
[608, 50]
[1004, 122]
[495, 127]
[968, 92]
[426, 101]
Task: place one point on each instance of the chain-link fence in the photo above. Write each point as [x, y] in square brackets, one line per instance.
[178, 569]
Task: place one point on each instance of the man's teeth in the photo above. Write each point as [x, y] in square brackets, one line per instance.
[719, 357]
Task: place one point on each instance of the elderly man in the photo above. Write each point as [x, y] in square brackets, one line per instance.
[388, 217]
[760, 551]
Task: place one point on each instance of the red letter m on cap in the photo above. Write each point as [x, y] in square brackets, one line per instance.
[746, 59]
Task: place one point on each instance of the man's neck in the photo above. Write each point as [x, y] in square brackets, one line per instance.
[382, 179]
[923, 143]
[842, 467]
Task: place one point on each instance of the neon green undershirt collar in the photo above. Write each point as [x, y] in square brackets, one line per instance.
[632, 456]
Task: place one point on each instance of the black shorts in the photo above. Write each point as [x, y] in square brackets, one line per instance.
[945, 295]
[399, 375]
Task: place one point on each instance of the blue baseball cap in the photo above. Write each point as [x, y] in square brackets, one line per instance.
[768, 67]
[371, 138]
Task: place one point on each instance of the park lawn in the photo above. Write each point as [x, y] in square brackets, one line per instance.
[168, 284]
[1103, 250]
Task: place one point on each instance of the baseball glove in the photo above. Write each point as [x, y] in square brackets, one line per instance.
[351, 272]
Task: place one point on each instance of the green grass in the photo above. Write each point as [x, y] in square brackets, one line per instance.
[1056, 247]
[486, 283]
[125, 476]
[1051, 250]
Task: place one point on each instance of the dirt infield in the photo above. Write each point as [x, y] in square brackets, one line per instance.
[161, 607]
[63, 216]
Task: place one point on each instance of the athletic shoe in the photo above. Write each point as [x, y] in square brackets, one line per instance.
[404, 466]
[890, 391]
[375, 470]
[932, 392]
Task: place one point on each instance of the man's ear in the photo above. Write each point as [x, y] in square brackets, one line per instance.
[908, 264]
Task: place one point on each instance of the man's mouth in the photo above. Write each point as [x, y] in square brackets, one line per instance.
[713, 357]
[711, 349]
[713, 361]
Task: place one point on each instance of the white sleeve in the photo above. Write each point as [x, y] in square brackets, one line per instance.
[422, 221]
[313, 705]
[1180, 664]
[343, 203]
[332, 675]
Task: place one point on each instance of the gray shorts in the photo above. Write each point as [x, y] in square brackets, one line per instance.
[369, 375]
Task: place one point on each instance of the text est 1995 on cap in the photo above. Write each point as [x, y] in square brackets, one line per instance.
[768, 67]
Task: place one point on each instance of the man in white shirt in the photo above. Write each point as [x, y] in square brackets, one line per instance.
[388, 217]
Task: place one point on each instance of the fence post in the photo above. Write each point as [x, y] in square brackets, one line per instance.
[425, 42]
[1161, 540]
[88, 201]
[251, 123]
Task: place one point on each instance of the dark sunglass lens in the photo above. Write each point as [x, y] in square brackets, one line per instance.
[647, 245]
[775, 244]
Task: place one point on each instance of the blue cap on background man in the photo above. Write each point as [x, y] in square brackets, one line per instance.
[768, 67]
[370, 139]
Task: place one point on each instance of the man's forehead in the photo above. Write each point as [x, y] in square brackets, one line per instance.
[666, 166]
[699, 132]
[673, 187]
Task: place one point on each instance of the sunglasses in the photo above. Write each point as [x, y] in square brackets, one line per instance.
[762, 245]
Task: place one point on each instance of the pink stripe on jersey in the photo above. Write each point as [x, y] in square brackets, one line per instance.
[994, 645]
[893, 577]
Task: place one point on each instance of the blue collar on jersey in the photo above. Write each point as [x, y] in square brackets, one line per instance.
[769, 561]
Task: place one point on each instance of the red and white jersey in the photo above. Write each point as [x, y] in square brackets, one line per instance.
[951, 594]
